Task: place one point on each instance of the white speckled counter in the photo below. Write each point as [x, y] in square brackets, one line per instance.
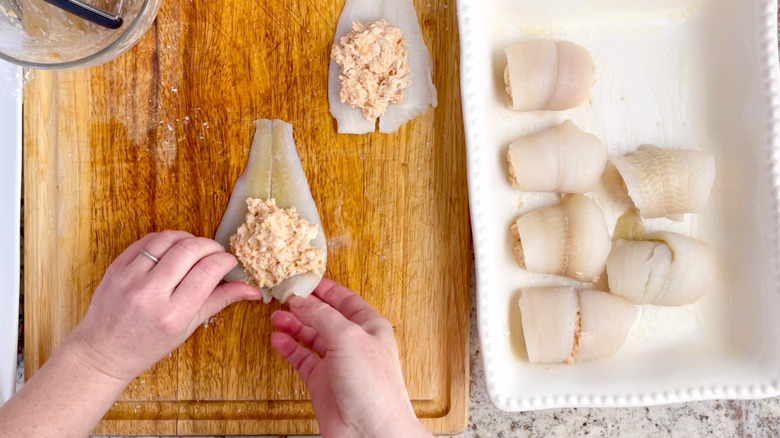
[744, 419]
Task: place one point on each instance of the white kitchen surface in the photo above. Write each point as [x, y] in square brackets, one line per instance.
[10, 192]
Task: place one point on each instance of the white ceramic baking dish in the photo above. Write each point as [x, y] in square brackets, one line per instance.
[10, 191]
[694, 74]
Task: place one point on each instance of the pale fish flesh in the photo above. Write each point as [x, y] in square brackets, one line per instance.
[665, 269]
[563, 159]
[564, 325]
[547, 75]
[569, 239]
[666, 182]
[274, 170]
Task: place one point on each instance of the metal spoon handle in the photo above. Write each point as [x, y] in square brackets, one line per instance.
[89, 13]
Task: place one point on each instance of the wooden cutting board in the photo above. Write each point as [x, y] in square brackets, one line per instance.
[155, 140]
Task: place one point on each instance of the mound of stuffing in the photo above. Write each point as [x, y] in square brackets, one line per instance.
[374, 65]
[274, 244]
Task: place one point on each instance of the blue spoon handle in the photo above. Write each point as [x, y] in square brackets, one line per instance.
[89, 13]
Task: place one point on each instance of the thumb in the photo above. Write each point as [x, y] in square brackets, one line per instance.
[226, 294]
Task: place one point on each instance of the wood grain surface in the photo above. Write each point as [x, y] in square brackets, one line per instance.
[155, 140]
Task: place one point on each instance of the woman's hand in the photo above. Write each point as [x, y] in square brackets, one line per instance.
[349, 360]
[143, 310]
[140, 311]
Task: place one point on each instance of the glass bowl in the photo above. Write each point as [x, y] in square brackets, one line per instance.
[36, 34]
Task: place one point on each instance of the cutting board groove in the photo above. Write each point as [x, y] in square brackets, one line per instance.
[155, 140]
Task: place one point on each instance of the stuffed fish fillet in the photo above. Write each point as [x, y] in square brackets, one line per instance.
[569, 239]
[420, 93]
[546, 75]
[564, 325]
[563, 159]
[664, 269]
[273, 172]
[666, 182]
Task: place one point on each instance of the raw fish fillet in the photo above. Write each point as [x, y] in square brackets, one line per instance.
[564, 325]
[667, 182]
[563, 159]
[273, 171]
[546, 75]
[421, 92]
[569, 239]
[665, 269]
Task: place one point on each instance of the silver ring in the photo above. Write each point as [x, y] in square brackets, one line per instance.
[149, 256]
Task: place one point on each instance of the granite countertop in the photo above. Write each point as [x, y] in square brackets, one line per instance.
[744, 419]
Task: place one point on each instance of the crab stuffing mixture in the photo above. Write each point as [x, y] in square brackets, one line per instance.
[375, 70]
[274, 244]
